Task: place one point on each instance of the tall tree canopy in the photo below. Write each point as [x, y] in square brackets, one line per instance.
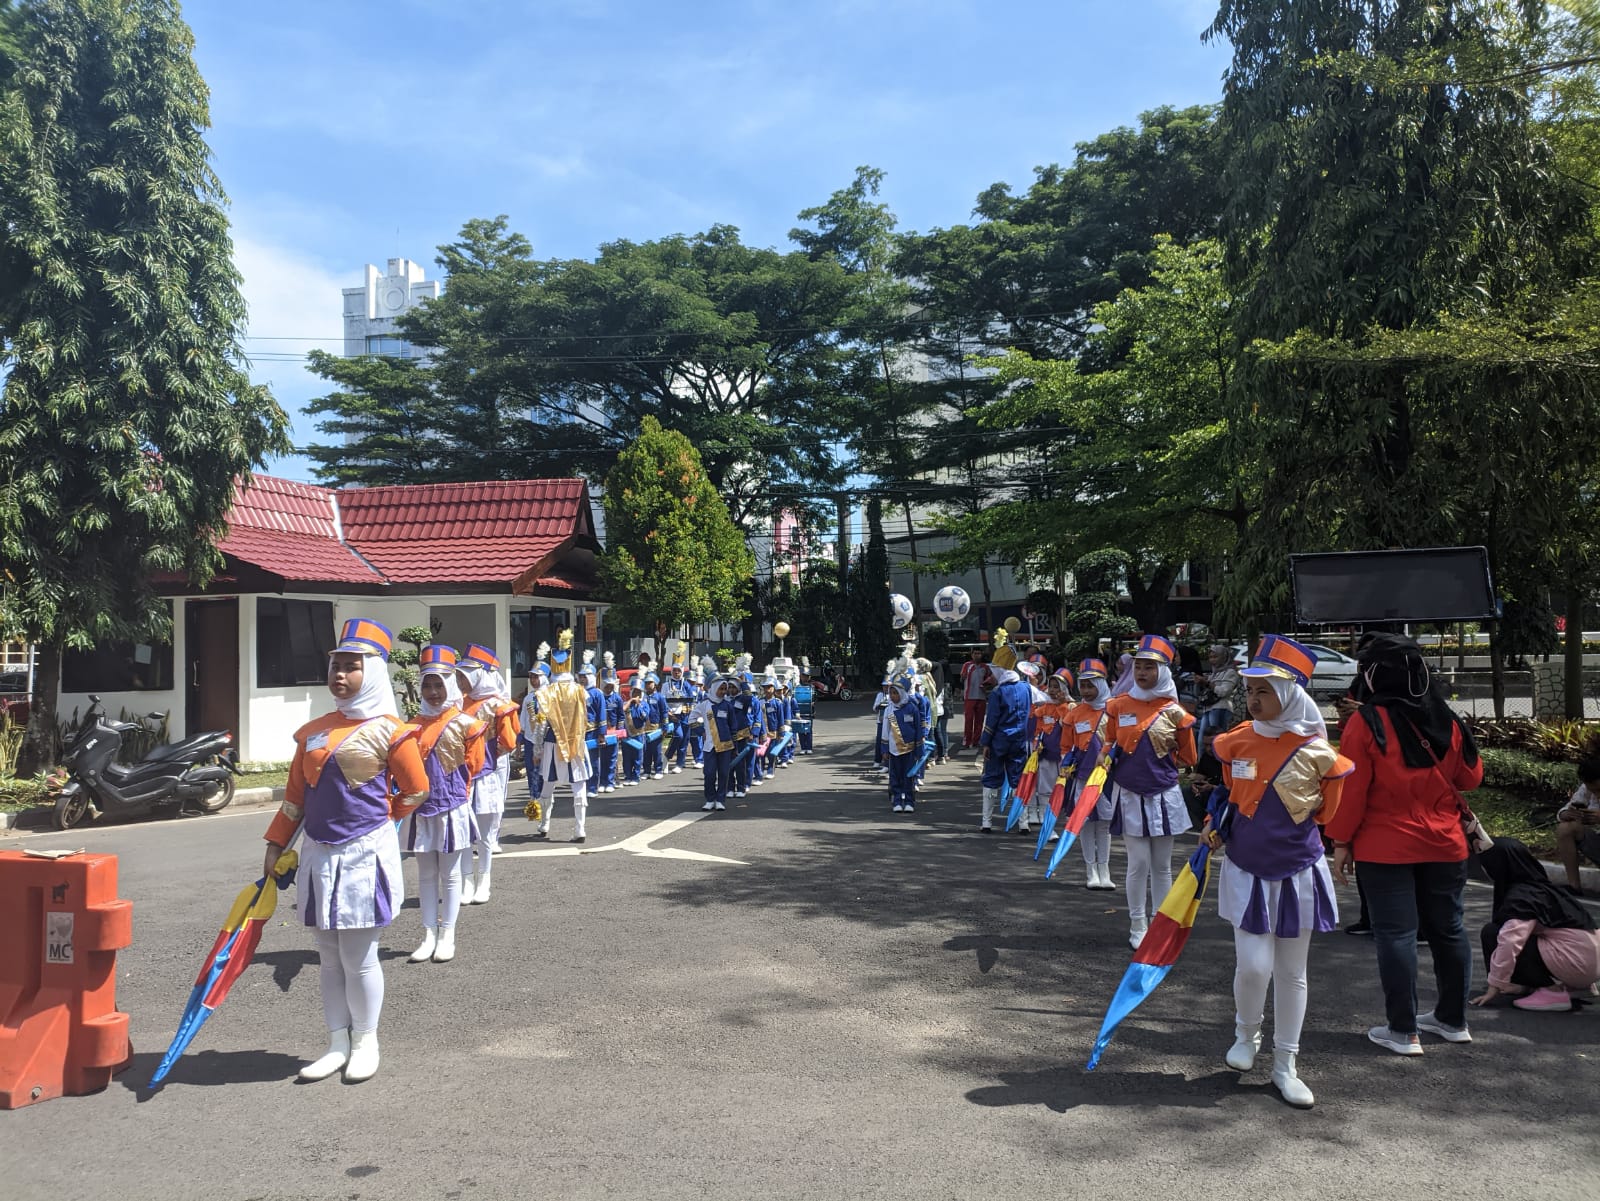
[127, 416]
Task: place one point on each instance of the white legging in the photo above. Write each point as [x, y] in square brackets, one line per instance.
[1149, 867]
[352, 978]
[439, 872]
[1096, 842]
[488, 840]
[580, 807]
[1263, 958]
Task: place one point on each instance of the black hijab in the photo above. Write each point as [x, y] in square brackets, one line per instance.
[1393, 676]
[1523, 892]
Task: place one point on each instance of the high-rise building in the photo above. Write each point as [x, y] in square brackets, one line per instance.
[370, 310]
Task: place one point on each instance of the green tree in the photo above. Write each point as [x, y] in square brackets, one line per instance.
[384, 419]
[872, 633]
[1092, 610]
[127, 419]
[674, 557]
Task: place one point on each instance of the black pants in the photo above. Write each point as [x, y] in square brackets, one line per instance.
[1530, 971]
[1412, 900]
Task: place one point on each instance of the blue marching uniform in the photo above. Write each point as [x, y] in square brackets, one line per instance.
[654, 764]
[902, 728]
[805, 700]
[610, 751]
[680, 694]
[725, 733]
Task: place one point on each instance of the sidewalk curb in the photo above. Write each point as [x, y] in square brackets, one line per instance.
[38, 817]
[1589, 877]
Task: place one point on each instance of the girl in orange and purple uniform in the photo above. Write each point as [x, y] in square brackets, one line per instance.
[489, 701]
[1087, 728]
[354, 772]
[442, 828]
[1284, 781]
[1154, 734]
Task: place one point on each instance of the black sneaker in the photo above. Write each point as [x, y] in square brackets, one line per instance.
[1359, 928]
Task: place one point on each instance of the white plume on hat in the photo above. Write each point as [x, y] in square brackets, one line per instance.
[542, 653]
[609, 660]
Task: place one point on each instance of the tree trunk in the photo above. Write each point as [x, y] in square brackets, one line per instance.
[842, 548]
[1149, 601]
[1574, 648]
[988, 605]
[916, 577]
[1497, 674]
[39, 743]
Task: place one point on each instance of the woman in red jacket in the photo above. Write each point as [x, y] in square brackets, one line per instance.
[1399, 824]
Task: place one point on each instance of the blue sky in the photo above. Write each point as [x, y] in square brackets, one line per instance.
[350, 131]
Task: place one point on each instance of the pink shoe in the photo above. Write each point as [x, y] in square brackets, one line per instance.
[1545, 1000]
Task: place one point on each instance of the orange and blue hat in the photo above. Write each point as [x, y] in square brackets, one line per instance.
[1064, 674]
[363, 636]
[437, 657]
[1154, 646]
[1092, 669]
[1284, 658]
[479, 657]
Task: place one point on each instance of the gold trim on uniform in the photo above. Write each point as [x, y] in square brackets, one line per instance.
[1299, 783]
[365, 753]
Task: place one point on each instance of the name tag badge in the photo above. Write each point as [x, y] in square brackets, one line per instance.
[317, 741]
[1083, 727]
[1049, 721]
[1244, 769]
[1127, 719]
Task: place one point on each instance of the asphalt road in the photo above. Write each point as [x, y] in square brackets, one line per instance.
[863, 1005]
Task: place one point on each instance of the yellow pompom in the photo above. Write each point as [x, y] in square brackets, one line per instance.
[533, 811]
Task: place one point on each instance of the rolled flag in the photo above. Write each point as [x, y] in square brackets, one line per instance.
[229, 956]
[761, 751]
[742, 755]
[1026, 784]
[1082, 808]
[1058, 797]
[927, 749]
[782, 743]
[1169, 931]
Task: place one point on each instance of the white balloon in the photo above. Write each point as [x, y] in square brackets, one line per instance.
[952, 603]
[901, 610]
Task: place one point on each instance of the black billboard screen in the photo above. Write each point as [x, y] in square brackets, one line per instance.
[1364, 587]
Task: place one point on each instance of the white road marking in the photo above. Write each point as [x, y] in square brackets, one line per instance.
[635, 844]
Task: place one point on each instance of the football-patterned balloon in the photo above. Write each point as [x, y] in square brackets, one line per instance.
[901, 610]
[952, 603]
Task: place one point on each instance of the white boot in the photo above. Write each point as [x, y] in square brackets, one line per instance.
[480, 889]
[1136, 932]
[990, 796]
[468, 886]
[338, 1055]
[1241, 1056]
[363, 1056]
[446, 950]
[580, 810]
[425, 951]
[1293, 1088]
[1107, 884]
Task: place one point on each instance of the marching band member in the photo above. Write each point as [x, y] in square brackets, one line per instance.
[1005, 730]
[638, 720]
[565, 704]
[595, 706]
[680, 694]
[1053, 732]
[805, 703]
[654, 761]
[747, 728]
[532, 736]
[772, 721]
[903, 726]
[355, 771]
[1155, 734]
[1088, 730]
[611, 722]
[786, 698]
[441, 829]
[490, 701]
[1284, 782]
[723, 723]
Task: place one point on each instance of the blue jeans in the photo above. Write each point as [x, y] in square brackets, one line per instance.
[1408, 900]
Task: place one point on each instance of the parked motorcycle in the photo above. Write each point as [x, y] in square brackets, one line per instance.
[196, 773]
[829, 685]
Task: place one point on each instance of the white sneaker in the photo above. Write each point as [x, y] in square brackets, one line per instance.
[425, 952]
[660, 775]
[1450, 1034]
[363, 1063]
[1400, 1044]
[709, 806]
[897, 807]
[337, 1055]
[720, 807]
[446, 950]
[676, 770]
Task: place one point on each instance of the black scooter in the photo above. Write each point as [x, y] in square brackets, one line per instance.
[196, 773]
[829, 685]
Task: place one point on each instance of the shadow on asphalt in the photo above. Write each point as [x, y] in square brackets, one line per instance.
[209, 1068]
[1064, 1089]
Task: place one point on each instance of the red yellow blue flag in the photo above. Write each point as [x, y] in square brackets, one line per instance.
[1088, 798]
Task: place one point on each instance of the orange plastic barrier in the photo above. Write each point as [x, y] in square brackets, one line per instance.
[62, 924]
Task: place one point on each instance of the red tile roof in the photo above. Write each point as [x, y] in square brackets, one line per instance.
[291, 530]
[500, 534]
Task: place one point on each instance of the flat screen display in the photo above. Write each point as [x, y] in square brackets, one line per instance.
[1448, 583]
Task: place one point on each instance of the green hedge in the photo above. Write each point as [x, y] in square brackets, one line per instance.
[1543, 783]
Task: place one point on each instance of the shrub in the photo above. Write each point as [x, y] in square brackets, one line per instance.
[1543, 783]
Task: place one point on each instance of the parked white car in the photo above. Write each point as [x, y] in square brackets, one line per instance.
[1334, 674]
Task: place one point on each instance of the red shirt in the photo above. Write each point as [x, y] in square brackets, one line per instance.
[1392, 813]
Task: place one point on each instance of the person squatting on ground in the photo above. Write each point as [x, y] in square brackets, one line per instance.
[355, 771]
[902, 728]
[1400, 826]
[1088, 728]
[1284, 780]
[1005, 735]
[1154, 734]
[441, 829]
[1540, 944]
[489, 700]
[565, 757]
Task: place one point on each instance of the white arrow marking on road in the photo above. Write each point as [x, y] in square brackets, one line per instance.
[636, 844]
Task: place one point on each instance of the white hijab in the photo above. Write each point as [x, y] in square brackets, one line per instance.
[1002, 675]
[1300, 714]
[483, 682]
[1102, 692]
[375, 698]
[1124, 684]
[1164, 686]
[452, 690]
